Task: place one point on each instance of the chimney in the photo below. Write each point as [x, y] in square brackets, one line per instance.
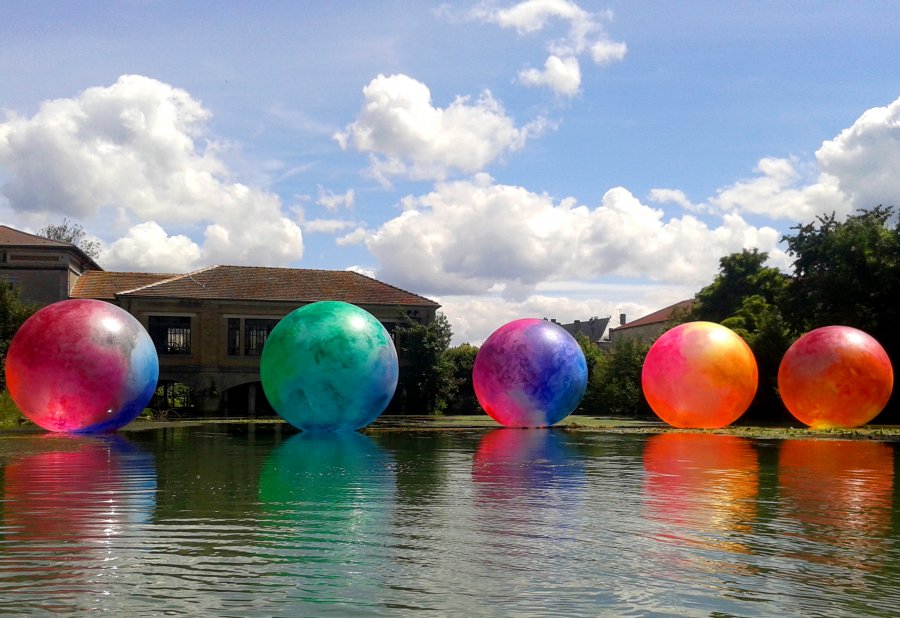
[622, 319]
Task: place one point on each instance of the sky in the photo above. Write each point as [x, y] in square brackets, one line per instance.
[545, 158]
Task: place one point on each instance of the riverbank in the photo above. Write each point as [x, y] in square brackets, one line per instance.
[574, 423]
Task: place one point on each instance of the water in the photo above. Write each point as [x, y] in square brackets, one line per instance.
[232, 520]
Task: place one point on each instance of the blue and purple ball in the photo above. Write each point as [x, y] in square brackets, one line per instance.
[529, 373]
[81, 366]
[329, 366]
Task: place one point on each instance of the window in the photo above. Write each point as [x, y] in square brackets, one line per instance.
[256, 331]
[170, 334]
[247, 336]
[234, 336]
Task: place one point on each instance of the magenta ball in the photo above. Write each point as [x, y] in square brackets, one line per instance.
[529, 373]
[81, 366]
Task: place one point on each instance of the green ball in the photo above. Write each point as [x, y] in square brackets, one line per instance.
[329, 366]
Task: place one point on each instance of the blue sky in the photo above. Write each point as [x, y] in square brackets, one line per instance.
[541, 158]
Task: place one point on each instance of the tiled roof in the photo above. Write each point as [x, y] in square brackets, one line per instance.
[15, 238]
[104, 285]
[657, 317]
[277, 284]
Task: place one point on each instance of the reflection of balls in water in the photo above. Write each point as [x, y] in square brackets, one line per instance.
[836, 376]
[529, 373]
[81, 366]
[329, 366]
[699, 375]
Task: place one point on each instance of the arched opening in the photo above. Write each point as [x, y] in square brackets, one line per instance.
[172, 399]
[247, 401]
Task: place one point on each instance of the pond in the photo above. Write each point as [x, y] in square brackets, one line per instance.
[243, 520]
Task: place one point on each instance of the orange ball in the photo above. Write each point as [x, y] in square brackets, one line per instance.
[835, 376]
[699, 375]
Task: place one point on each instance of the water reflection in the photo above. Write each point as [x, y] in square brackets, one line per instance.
[527, 483]
[702, 488]
[328, 500]
[67, 500]
[841, 493]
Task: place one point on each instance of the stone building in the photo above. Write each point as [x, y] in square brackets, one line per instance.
[208, 326]
[649, 326]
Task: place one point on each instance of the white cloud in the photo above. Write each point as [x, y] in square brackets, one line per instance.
[332, 201]
[327, 226]
[139, 149]
[407, 135]
[857, 169]
[475, 237]
[864, 159]
[356, 237]
[147, 247]
[563, 75]
[586, 34]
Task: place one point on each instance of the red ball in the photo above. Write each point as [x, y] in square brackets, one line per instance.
[835, 376]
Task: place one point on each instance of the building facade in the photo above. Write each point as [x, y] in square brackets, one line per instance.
[209, 326]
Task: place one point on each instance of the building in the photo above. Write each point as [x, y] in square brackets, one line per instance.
[649, 326]
[43, 270]
[208, 326]
[593, 328]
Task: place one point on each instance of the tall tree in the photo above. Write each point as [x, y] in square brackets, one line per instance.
[13, 312]
[746, 296]
[424, 373]
[848, 272]
[74, 234]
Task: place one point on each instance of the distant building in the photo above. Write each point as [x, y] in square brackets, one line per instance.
[593, 328]
[649, 326]
[208, 326]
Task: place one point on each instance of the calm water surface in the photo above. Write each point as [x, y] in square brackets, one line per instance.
[232, 520]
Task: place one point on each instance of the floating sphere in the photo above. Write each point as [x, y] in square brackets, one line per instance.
[699, 375]
[835, 376]
[329, 366]
[529, 373]
[81, 366]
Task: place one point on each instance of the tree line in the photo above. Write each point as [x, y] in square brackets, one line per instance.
[843, 272]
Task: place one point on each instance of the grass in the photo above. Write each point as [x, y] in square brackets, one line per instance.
[9, 413]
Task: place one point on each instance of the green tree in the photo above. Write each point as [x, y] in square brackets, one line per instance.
[614, 379]
[746, 296]
[424, 372]
[741, 276]
[74, 234]
[13, 312]
[459, 394]
[848, 272]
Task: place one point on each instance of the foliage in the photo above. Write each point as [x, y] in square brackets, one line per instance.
[74, 234]
[13, 312]
[847, 273]
[741, 276]
[424, 371]
[10, 416]
[459, 395]
[614, 379]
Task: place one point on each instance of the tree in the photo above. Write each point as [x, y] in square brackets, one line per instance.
[13, 313]
[74, 234]
[848, 272]
[459, 396]
[424, 374]
[741, 276]
[746, 296]
[614, 379]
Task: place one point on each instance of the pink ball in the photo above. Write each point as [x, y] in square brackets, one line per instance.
[81, 366]
[529, 373]
[835, 376]
[699, 375]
